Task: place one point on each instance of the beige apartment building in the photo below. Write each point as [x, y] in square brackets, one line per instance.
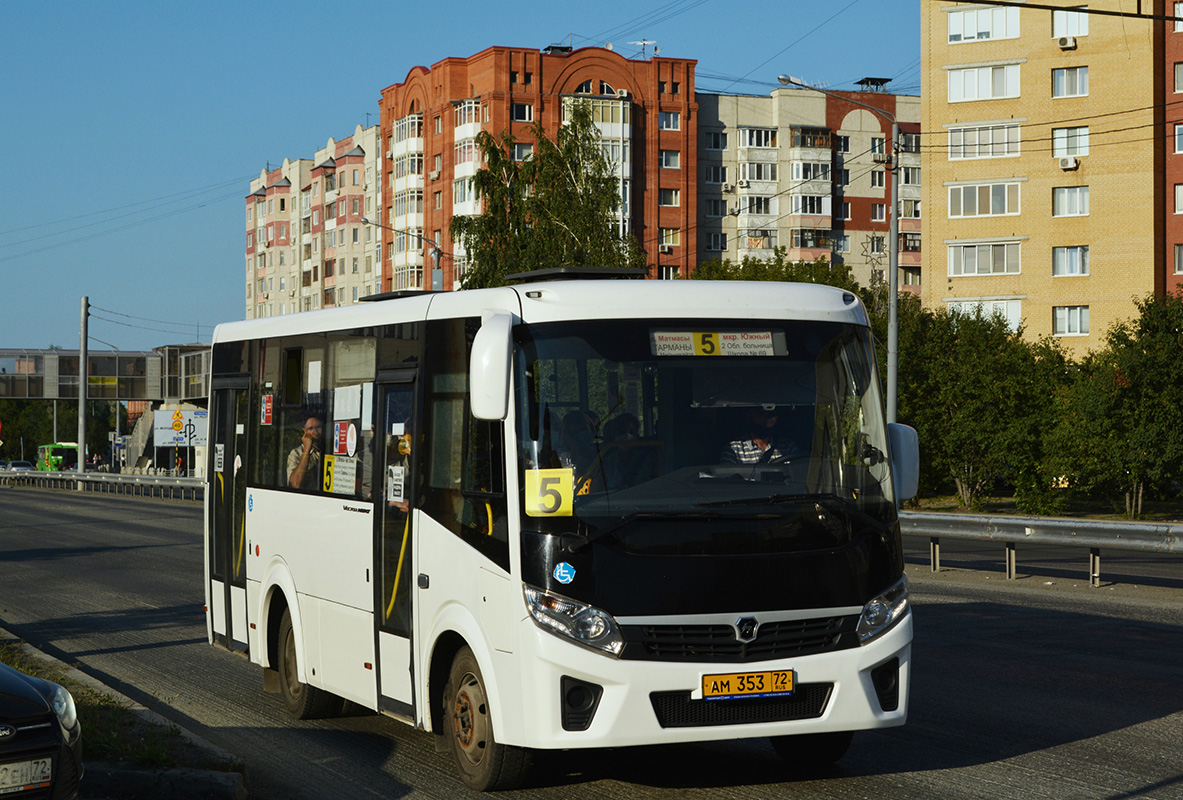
[307, 246]
[1044, 155]
[808, 171]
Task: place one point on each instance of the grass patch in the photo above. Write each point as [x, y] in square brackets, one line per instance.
[111, 731]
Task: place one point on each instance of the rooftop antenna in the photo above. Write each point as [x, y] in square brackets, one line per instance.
[643, 44]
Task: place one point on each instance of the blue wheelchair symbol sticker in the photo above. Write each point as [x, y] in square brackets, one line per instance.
[250, 502]
[564, 573]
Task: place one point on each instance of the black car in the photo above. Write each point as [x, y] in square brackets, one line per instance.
[40, 738]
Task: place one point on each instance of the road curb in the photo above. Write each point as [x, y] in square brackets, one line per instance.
[115, 780]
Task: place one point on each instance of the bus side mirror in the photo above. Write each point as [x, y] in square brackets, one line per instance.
[488, 368]
[905, 460]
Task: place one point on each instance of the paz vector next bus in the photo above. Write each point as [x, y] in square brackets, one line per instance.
[566, 514]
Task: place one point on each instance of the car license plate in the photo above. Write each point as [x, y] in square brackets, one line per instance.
[25, 775]
[776, 683]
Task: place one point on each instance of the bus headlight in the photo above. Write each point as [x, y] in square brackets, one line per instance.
[581, 623]
[884, 611]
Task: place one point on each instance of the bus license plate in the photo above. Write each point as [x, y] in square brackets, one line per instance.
[777, 683]
[25, 775]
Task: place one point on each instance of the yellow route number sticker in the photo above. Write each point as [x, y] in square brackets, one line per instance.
[549, 492]
[328, 473]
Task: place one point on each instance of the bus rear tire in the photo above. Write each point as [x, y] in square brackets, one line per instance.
[484, 763]
[301, 700]
[812, 750]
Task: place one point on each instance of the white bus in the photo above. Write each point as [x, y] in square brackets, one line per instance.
[566, 514]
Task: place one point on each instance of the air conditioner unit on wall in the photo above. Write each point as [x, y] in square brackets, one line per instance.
[622, 93]
[1069, 162]
[1067, 42]
[727, 187]
[435, 175]
[743, 184]
[665, 248]
[879, 158]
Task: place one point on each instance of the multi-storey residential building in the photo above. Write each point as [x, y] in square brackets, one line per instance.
[306, 244]
[808, 171]
[645, 109]
[1046, 164]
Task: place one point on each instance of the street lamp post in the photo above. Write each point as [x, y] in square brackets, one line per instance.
[437, 278]
[893, 244]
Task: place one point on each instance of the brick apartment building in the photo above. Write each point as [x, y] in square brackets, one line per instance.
[1052, 179]
[645, 109]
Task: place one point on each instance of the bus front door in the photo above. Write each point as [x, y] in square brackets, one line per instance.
[227, 486]
[393, 499]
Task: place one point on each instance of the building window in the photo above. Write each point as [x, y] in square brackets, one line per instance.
[522, 151]
[438, 200]
[983, 83]
[669, 159]
[983, 23]
[910, 176]
[810, 137]
[670, 237]
[840, 243]
[989, 141]
[878, 145]
[1002, 258]
[844, 211]
[716, 174]
[1070, 141]
[984, 200]
[878, 212]
[1073, 201]
[661, 87]
[1070, 321]
[715, 140]
[522, 112]
[843, 143]
[1070, 82]
[1179, 138]
[1178, 247]
[910, 243]
[669, 197]
[1009, 310]
[757, 137]
[766, 171]
[759, 205]
[909, 143]
[909, 209]
[669, 120]
[716, 241]
[877, 178]
[1070, 260]
[1070, 23]
[877, 245]
[1178, 17]
[716, 208]
[810, 204]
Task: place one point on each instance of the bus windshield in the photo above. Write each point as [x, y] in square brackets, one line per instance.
[701, 436]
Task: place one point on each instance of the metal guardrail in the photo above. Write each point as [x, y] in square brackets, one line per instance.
[164, 487]
[1010, 531]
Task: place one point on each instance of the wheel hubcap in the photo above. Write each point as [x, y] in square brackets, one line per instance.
[468, 719]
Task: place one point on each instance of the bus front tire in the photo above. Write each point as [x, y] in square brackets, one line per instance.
[301, 700]
[484, 763]
[812, 750]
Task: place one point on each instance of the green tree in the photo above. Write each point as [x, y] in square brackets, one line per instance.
[554, 209]
[1123, 433]
[778, 268]
[969, 387]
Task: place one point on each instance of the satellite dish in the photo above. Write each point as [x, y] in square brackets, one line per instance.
[655, 50]
[608, 46]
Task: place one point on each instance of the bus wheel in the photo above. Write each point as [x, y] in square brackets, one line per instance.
[302, 701]
[484, 763]
[812, 750]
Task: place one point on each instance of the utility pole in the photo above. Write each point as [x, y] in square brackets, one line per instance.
[83, 379]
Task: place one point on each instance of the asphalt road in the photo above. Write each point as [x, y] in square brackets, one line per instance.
[1037, 688]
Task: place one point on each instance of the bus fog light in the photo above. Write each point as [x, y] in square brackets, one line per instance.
[581, 623]
[881, 613]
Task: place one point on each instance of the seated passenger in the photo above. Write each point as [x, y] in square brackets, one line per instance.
[304, 459]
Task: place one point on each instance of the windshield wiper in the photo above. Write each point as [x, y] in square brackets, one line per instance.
[829, 500]
[629, 519]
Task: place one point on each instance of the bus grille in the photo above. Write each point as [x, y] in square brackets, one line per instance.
[718, 643]
[677, 710]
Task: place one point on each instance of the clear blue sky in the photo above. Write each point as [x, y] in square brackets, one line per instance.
[131, 130]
